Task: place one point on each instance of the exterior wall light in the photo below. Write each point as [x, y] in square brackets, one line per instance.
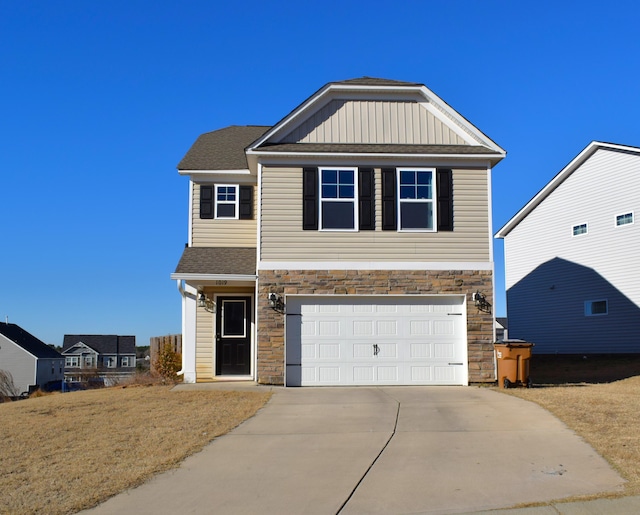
[481, 302]
[206, 303]
[276, 303]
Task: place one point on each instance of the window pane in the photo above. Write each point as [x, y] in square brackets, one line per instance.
[407, 177]
[416, 215]
[625, 219]
[337, 215]
[424, 192]
[579, 229]
[599, 307]
[346, 191]
[233, 318]
[424, 178]
[346, 177]
[407, 192]
[329, 191]
[225, 210]
[329, 176]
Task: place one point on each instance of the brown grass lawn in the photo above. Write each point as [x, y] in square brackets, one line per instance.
[64, 452]
[606, 415]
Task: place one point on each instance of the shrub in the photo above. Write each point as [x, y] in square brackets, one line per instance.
[8, 389]
[168, 363]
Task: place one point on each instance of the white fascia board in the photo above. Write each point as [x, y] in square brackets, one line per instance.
[207, 173]
[213, 277]
[560, 177]
[363, 159]
[375, 265]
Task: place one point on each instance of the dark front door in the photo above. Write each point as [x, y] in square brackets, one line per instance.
[233, 336]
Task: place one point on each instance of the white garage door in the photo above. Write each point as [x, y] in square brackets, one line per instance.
[377, 340]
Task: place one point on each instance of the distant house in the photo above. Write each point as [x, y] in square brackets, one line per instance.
[108, 358]
[502, 329]
[31, 362]
[572, 268]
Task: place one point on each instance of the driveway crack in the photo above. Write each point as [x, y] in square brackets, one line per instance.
[366, 472]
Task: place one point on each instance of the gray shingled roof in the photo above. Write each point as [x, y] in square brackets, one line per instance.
[374, 81]
[366, 148]
[217, 260]
[102, 343]
[222, 149]
[27, 341]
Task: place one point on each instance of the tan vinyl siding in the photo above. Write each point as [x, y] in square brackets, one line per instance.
[222, 233]
[204, 344]
[283, 238]
[356, 121]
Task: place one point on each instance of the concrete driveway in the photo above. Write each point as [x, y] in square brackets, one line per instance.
[385, 450]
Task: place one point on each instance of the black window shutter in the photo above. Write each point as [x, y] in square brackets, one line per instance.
[310, 199]
[366, 199]
[389, 216]
[246, 203]
[206, 201]
[445, 199]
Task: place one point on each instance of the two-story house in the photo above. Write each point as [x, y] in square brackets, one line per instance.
[31, 362]
[108, 358]
[348, 244]
[571, 268]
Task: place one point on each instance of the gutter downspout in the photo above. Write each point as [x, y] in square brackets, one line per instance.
[180, 285]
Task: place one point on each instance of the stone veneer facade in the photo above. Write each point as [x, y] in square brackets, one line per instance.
[271, 357]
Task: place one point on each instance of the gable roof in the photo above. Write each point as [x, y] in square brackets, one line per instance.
[339, 96]
[27, 341]
[560, 177]
[223, 149]
[102, 343]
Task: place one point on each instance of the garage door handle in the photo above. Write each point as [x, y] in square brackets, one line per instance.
[376, 349]
[456, 363]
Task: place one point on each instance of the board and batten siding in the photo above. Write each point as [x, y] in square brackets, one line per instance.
[550, 273]
[222, 233]
[358, 121]
[283, 239]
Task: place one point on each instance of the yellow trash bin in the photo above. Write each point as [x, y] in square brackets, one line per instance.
[512, 358]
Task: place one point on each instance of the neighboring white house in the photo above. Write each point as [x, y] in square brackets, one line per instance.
[31, 362]
[571, 257]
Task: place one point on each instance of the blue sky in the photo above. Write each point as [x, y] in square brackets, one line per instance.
[100, 100]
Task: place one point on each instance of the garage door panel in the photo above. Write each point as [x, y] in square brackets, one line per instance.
[376, 340]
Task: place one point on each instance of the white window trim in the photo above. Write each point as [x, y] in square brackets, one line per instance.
[573, 228]
[633, 219]
[111, 361]
[587, 308]
[70, 360]
[434, 206]
[235, 203]
[125, 361]
[354, 201]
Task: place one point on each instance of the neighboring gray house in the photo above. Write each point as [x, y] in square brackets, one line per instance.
[571, 257]
[108, 357]
[348, 244]
[31, 362]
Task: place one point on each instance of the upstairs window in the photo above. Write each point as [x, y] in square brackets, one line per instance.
[415, 200]
[625, 219]
[579, 229]
[226, 202]
[126, 361]
[110, 361]
[596, 308]
[72, 361]
[338, 199]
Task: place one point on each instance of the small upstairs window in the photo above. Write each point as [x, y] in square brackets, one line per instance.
[226, 201]
[415, 201]
[624, 219]
[579, 229]
[596, 308]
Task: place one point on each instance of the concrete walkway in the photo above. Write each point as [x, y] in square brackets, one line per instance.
[385, 450]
